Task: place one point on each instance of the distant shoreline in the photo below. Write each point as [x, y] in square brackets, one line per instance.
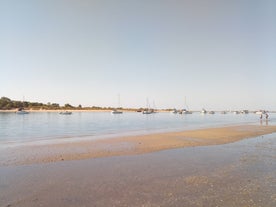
[73, 110]
[99, 110]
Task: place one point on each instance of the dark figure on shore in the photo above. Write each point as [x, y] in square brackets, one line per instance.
[261, 117]
[266, 116]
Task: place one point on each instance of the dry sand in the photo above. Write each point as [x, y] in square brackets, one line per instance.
[130, 145]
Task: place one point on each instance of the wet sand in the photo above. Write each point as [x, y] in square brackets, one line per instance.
[74, 149]
[235, 174]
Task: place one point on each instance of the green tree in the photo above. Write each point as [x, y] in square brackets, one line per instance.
[68, 106]
[5, 103]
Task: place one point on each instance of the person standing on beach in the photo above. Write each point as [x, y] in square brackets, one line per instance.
[266, 116]
[261, 117]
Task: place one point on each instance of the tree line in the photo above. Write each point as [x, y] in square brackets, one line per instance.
[8, 104]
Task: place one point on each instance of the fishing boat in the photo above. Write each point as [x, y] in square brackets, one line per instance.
[203, 111]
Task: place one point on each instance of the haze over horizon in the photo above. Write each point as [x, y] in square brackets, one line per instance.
[218, 54]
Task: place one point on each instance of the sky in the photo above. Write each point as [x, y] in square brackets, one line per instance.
[212, 54]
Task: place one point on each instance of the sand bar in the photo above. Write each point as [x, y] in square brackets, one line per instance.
[130, 145]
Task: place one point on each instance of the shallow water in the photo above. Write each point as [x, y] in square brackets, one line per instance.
[95, 125]
[236, 174]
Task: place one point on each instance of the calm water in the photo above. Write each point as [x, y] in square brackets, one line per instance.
[94, 125]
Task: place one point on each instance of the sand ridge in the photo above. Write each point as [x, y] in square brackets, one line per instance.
[129, 145]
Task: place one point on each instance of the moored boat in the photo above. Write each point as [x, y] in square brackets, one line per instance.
[184, 111]
[244, 111]
[174, 111]
[21, 111]
[65, 113]
[148, 111]
[115, 111]
[203, 111]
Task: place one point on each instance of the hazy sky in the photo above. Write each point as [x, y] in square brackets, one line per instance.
[218, 54]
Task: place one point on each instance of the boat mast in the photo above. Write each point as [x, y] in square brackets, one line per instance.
[186, 104]
[119, 101]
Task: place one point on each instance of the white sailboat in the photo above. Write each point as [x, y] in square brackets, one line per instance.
[148, 110]
[186, 111]
[22, 111]
[116, 111]
[174, 111]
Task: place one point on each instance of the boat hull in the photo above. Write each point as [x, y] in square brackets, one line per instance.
[116, 112]
[66, 113]
[22, 112]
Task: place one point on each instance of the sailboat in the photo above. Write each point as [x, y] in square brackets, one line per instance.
[21, 111]
[148, 110]
[116, 111]
[203, 111]
[174, 111]
[185, 111]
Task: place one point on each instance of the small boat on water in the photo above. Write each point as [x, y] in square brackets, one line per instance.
[148, 111]
[21, 111]
[244, 111]
[184, 111]
[115, 111]
[65, 113]
[211, 112]
[174, 111]
[203, 111]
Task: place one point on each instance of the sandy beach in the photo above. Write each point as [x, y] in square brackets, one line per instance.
[74, 149]
[241, 173]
